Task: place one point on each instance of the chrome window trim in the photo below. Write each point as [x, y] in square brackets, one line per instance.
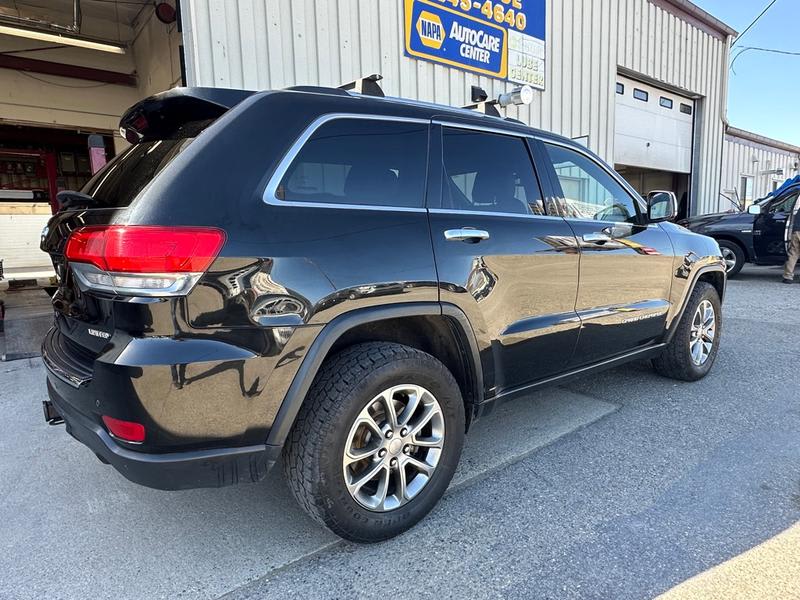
[270, 192]
[613, 174]
[489, 213]
[485, 128]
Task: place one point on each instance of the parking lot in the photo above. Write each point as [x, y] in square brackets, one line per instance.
[623, 485]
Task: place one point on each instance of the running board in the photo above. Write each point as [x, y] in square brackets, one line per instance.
[641, 354]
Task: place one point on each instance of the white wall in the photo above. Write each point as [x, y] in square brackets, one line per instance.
[264, 44]
[749, 157]
[39, 99]
[155, 52]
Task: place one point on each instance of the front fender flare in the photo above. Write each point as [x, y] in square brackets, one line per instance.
[715, 266]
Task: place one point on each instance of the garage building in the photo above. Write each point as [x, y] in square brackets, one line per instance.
[754, 165]
[68, 70]
[668, 57]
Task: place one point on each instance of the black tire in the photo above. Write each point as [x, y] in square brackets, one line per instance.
[313, 453]
[733, 250]
[676, 360]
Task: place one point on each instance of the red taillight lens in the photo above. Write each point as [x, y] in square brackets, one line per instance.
[145, 249]
[142, 260]
[124, 430]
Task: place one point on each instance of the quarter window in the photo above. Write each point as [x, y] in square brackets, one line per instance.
[360, 162]
[589, 191]
[488, 172]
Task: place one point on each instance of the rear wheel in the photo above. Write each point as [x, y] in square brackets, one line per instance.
[693, 349]
[733, 255]
[376, 442]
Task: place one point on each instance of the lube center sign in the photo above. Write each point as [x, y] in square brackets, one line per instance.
[500, 38]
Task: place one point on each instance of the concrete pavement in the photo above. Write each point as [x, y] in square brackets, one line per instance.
[623, 485]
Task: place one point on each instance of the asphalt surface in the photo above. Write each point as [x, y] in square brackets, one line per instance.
[622, 485]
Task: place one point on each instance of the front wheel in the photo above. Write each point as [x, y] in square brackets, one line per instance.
[693, 349]
[376, 442]
[733, 255]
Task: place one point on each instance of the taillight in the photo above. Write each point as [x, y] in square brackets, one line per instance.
[142, 260]
[125, 430]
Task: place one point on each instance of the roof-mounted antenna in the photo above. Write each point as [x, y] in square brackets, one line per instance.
[367, 86]
[517, 96]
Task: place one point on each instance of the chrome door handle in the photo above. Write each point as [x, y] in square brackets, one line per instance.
[597, 238]
[465, 234]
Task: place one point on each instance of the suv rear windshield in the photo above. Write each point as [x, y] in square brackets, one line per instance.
[121, 180]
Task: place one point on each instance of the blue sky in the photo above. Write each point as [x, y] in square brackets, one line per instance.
[764, 95]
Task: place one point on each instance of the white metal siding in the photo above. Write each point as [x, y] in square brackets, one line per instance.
[747, 158]
[263, 44]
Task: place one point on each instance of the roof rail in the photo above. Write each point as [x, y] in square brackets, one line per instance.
[367, 86]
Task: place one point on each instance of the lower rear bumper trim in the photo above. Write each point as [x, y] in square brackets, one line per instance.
[169, 471]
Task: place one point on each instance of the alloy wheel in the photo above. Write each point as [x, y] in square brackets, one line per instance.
[393, 447]
[703, 334]
[729, 256]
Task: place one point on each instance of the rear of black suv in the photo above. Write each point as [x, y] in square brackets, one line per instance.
[186, 303]
[348, 282]
[121, 354]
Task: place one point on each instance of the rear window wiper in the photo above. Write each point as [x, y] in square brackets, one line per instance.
[69, 199]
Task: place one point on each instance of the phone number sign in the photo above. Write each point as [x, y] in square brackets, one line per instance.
[498, 38]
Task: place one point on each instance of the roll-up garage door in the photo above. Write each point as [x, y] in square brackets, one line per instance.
[653, 128]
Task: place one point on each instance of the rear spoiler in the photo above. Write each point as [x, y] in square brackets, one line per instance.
[159, 117]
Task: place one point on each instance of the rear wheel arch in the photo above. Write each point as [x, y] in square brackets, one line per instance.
[444, 334]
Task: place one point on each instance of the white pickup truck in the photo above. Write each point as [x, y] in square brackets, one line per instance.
[21, 222]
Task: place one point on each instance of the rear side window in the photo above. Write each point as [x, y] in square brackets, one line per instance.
[363, 162]
[122, 179]
[488, 172]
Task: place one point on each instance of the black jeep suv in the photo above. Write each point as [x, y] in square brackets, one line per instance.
[350, 282]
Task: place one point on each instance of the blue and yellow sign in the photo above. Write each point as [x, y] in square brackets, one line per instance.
[498, 38]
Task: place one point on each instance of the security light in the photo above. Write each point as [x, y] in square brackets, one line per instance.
[518, 96]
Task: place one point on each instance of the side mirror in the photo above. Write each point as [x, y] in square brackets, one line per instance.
[754, 209]
[661, 206]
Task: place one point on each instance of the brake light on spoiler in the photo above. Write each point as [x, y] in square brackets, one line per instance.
[142, 260]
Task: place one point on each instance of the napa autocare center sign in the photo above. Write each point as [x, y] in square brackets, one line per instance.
[498, 38]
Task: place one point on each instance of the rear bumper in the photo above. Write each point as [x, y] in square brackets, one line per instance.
[168, 471]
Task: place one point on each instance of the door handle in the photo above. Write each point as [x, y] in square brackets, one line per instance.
[465, 234]
[598, 237]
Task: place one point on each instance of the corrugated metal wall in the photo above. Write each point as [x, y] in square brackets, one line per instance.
[747, 158]
[263, 44]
